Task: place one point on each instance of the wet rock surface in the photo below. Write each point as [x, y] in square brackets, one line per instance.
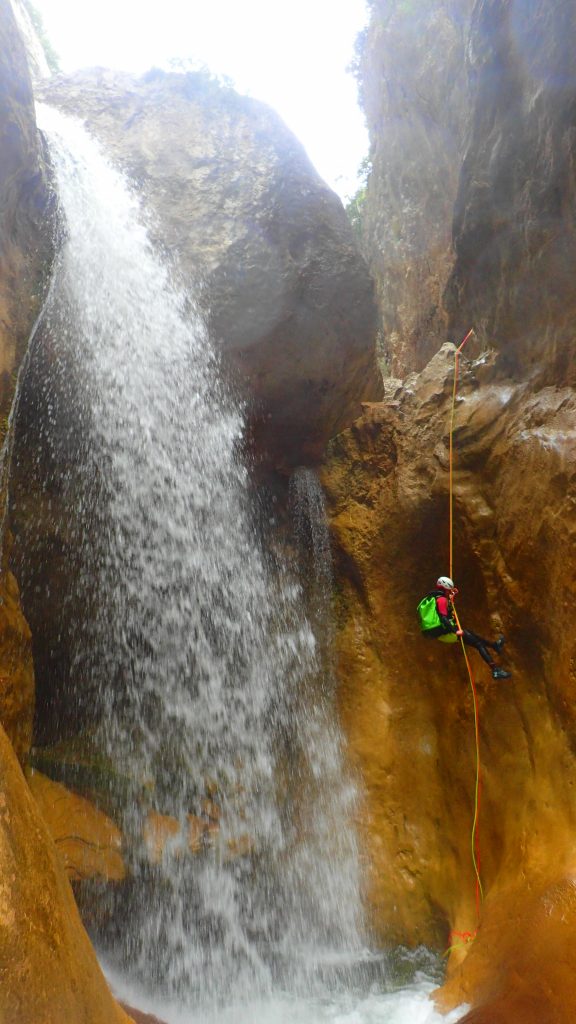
[88, 841]
[523, 969]
[49, 969]
[246, 218]
[406, 701]
[139, 1017]
[25, 259]
[16, 666]
[25, 204]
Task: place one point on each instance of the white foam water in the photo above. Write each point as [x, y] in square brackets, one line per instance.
[410, 1005]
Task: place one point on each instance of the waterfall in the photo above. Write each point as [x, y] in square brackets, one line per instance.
[334, 797]
[204, 674]
[311, 528]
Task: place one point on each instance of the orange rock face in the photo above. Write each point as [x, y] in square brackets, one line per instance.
[161, 830]
[88, 842]
[139, 1017]
[49, 970]
[16, 668]
[522, 969]
[406, 702]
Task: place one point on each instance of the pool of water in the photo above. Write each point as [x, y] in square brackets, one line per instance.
[409, 1003]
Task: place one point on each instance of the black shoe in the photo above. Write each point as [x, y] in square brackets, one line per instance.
[500, 673]
[499, 644]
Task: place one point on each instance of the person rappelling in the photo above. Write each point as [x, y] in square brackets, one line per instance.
[438, 620]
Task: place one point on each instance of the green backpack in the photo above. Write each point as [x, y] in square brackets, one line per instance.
[428, 613]
[429, 618]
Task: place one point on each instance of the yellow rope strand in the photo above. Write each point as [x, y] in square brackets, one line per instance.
[451, 451]
[475, 822]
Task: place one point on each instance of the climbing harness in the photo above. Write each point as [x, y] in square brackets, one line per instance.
[465, 937]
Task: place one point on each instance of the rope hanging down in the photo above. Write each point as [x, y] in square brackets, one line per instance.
[475, 840]
[451, 455]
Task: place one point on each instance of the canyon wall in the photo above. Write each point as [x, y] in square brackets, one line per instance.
[48, 967]
[25, 257]
[25, 223]
[406, 702]
[514, 233]
[417, 100]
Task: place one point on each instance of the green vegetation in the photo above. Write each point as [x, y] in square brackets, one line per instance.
[412, 6]
[355, 205]
[198, 82]
[388, 9]
[52, 58]
[80, 765]
[200, 73]
[359, 46]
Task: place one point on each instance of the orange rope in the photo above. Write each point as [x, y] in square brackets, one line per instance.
[451, 447]
[478, 783]
[467, 936]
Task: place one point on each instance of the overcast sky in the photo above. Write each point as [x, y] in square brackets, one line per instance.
[293, 55]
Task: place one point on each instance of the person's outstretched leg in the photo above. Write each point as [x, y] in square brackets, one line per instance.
[481, 645]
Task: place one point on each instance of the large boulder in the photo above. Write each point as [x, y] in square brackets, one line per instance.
[88, 841]
[266, 243]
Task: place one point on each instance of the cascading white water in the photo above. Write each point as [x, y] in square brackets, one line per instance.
[311, 526]
[205, 672]
[193, 649]
[331, 795]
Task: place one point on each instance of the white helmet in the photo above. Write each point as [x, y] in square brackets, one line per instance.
[445, 583]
